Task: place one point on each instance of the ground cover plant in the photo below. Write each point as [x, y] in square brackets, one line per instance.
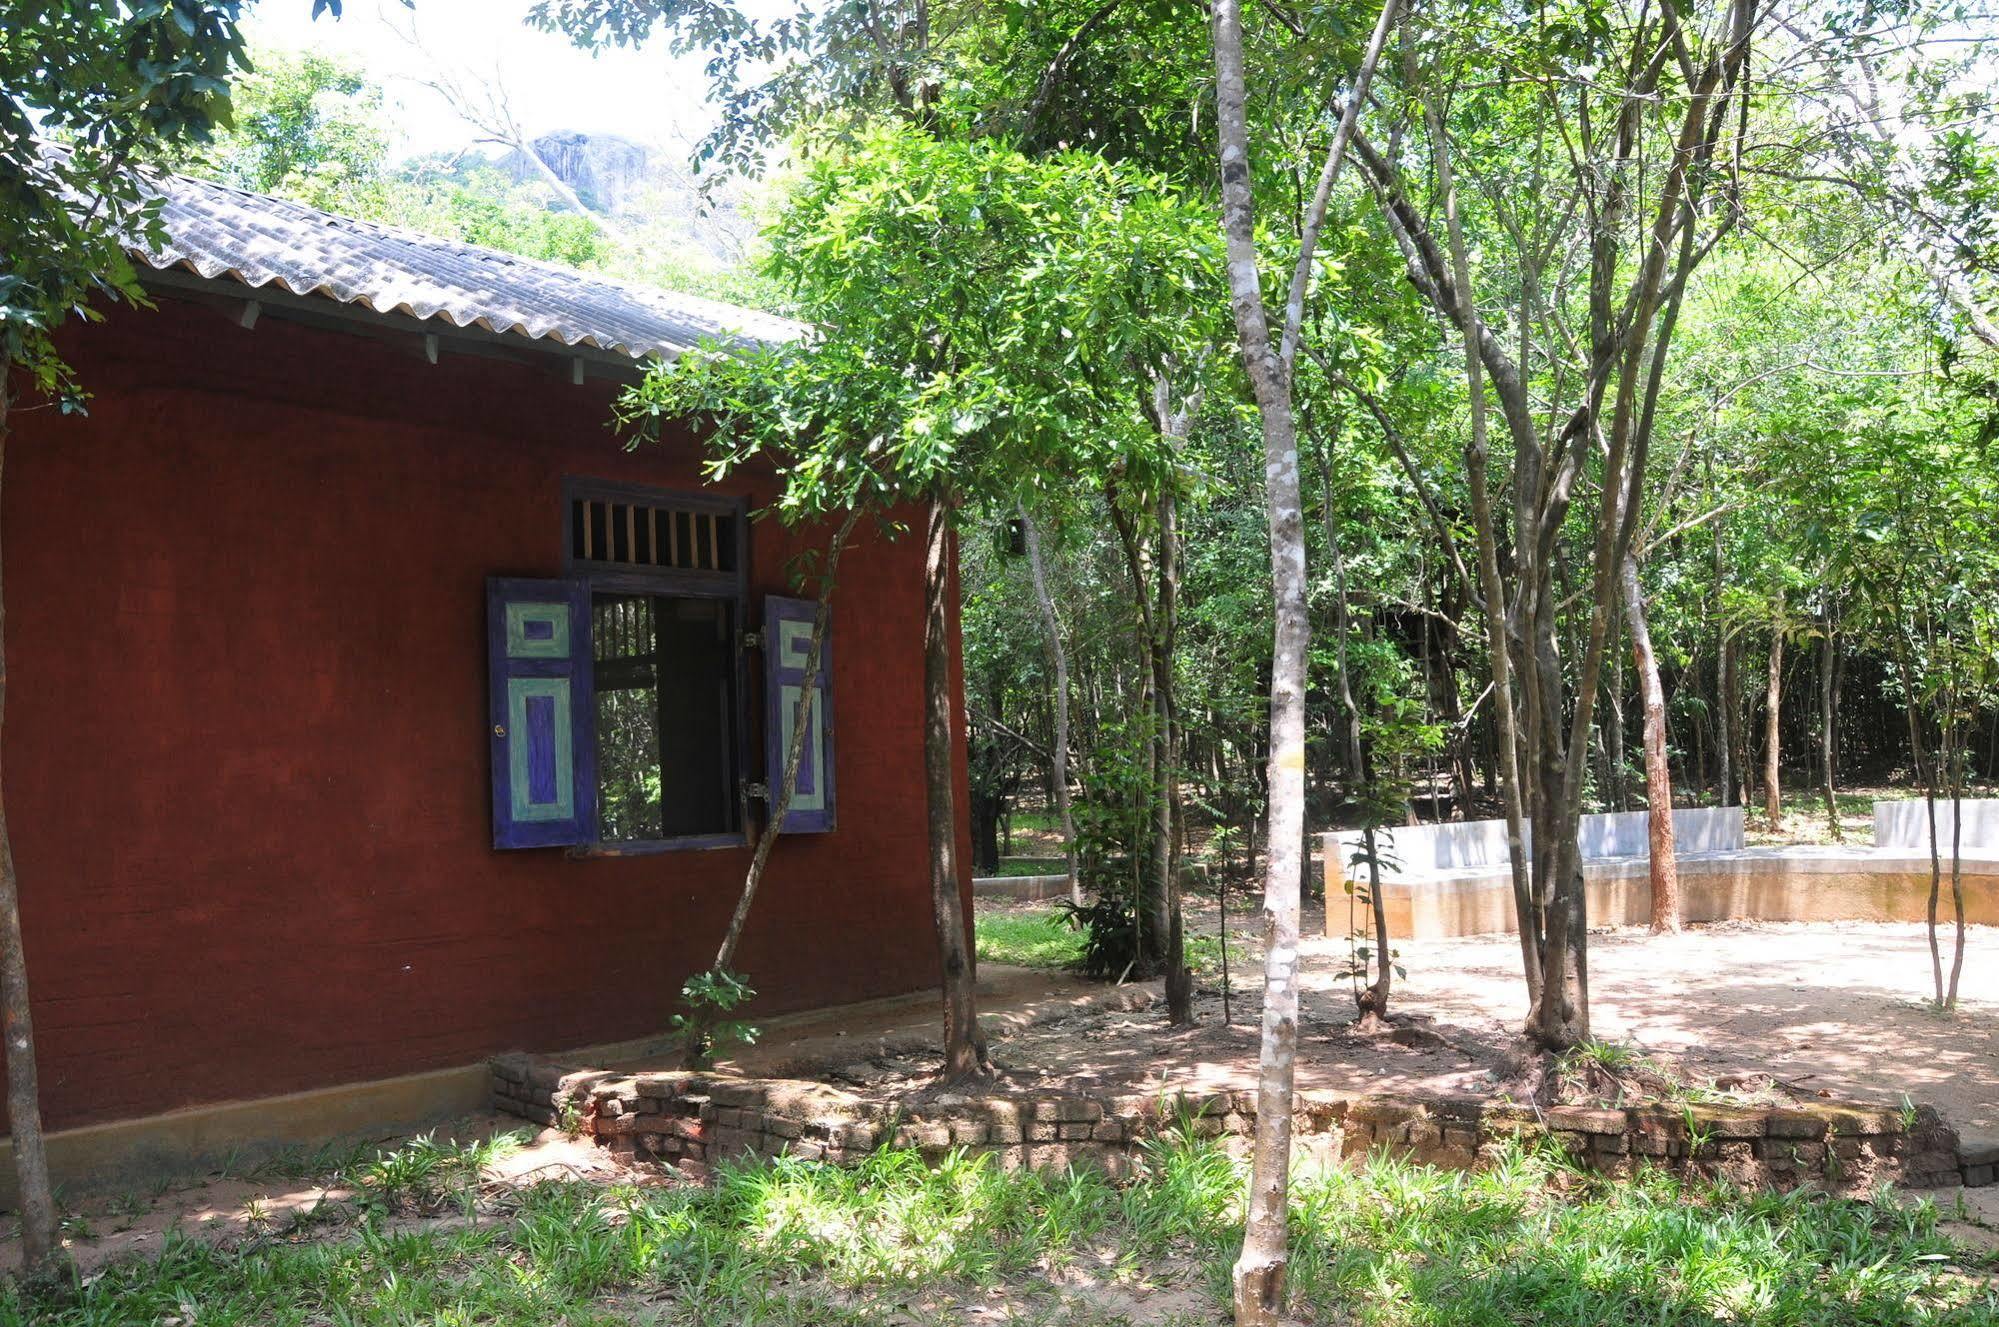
[789, 1241]
[1049, 937]
[1039, 939]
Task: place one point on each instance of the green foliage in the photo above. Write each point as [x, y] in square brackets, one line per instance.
[111, 85]
[983, 322]
[1109, 929]
[305, 126]
[1114, 810]
[702, 1031]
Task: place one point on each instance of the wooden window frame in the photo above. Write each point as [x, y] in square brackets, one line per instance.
[680, 583]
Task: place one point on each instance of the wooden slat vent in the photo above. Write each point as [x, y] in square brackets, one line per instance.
[627, 533]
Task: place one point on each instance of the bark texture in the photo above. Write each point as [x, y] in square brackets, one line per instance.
[1259, 1271]
[1665, 867]
[1773, 792]
[965, 1054]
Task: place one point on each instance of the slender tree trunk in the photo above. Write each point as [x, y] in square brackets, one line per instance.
[965, 1054]
[1166, 861]
[1926, 776]
[1259, 1271]
[1773, 791]
[1955, 765]
[1828, 724]
[1731, 716]
[1152, 892]
[695, 1051]
[1665, 869]
[1613, 744]
[1936, 888]
[1051, 626]
[41, 1255]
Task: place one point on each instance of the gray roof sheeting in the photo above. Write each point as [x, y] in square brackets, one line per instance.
[223, 233]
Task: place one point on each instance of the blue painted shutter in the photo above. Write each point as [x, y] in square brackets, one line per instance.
[787, 641]
[541, 713]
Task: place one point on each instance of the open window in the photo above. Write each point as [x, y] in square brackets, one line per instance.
[619, 710]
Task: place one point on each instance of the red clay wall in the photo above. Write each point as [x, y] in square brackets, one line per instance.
[246, 762]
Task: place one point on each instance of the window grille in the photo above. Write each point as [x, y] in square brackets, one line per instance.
[632, 532]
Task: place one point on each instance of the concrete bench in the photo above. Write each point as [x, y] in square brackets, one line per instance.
[1455, 879]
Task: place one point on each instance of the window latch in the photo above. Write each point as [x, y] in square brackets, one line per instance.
[752, 640]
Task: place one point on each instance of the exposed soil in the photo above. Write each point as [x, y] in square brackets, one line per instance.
[1830, 1008]
[1759, 1010]
[266, 1205]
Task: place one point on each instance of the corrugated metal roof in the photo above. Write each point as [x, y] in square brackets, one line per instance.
[221, 232]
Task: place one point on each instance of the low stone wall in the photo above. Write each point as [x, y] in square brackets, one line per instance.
[1905, 823]
[1756, 884]
[1020, 888]
[1455, 845]
[692, 1120]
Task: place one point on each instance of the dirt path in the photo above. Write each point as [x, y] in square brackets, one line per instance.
[1835, 1007]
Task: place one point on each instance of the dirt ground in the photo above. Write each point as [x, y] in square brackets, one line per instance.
[259, 1205]
[1837, 1008]
[1827, 1009]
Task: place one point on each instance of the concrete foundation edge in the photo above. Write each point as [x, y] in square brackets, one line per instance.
[101, 1158]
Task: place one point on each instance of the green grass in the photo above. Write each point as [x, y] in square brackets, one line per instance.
[792, 1242]
[1032, 866]
[1027, 939]
[1042, 939]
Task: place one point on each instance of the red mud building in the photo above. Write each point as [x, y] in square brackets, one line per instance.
[343, 592]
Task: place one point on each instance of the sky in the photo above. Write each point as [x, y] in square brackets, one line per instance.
[647, 94]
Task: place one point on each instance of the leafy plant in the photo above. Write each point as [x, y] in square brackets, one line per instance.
[702, 1031]
[1110, 928]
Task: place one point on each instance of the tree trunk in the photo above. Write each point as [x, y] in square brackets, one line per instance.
[1954, 764]
[1731, 716]
[1259, 1271]
[1613, 743]
[1956, 893]
[1828, 724]
[1166, 860]
[1773, 792]
[1936, 886]
[1925, 775]
[1665, 868]
[1058, 654]
[41, 1255]
[965, 1054]
[1152, 892]
[1509, 733]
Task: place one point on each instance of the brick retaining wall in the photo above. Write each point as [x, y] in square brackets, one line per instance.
[692, 1120]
